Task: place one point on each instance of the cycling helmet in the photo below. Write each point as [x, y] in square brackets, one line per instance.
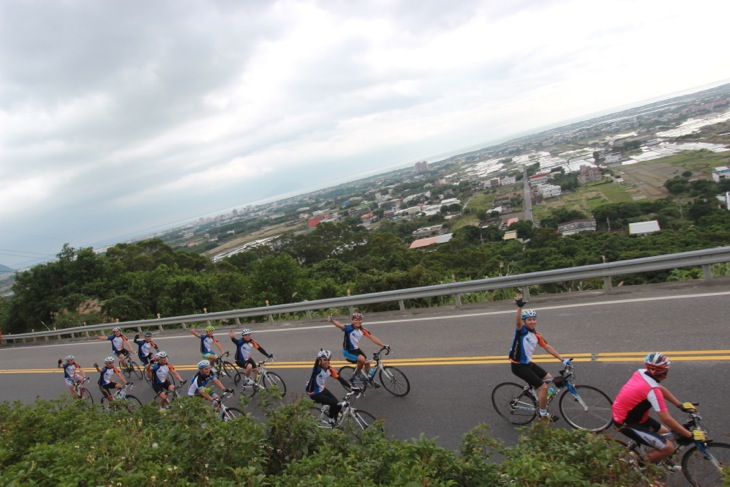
[325, 354]
[656, 363]
[357, 316]
[162, 354]
[209, 328]
[116, 329]
[203, 364]
[109, 360]
[148, 334]
[69, 358]
[529, 313]
[246, 331]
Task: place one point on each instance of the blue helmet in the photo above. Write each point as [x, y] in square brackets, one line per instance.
[529, 313]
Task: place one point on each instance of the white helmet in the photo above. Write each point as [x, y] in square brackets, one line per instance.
[162, 354]
[529, 313]
[246, 331]
[325, 354]
[109, 360]
[69, 358]
[116, 329]
[203, 364]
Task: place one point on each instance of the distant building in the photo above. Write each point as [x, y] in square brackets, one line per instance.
[510, 235]
[720, 172]
[421, 167]
[425, 242]
[538, 179]
[428, 231]
[644, 228]
[577, 226]
[507, 180]
[589, 174]
[549, 190]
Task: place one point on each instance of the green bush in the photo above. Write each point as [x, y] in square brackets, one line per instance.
[66, 443]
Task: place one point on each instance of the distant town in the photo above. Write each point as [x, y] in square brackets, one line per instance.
[554, 161]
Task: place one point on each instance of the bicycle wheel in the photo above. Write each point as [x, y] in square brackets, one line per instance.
[229, 372]
[347, 372]
[136, 369]
[356, 422]
[272, 379]
[129, 404]
[248, 387]
[513, 403]
[394, 381]
[589, 409]
[320, 416]
[127, 371]
[86, 396]
[231, 413]
[701, 469]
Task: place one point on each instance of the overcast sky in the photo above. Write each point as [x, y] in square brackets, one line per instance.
[118, 118]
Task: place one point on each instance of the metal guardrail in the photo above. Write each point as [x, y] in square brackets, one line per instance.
[698, 258]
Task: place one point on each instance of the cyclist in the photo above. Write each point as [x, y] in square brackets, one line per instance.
[206, 344]
[199, 383]
[146, 348]
[316, 389]
[119, 345]
[525, 341]
[244, 347]
[642, 393]
[72, 372]
[106, 384]
[158, 374]
[354, 332]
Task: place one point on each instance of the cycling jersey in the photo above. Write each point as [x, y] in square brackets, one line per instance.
[107, 374]
[199, 381]
[524, 344]
[636, 398]
[353, 336]
[146, 349]
[161, 372]
[117, 343]
[244, 349]
[316, 382]
[206, 344]
[70, 371]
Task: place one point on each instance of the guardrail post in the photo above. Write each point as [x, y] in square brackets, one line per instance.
[401, 305]
[707, 271]
[309, 314]
[607, 285]
[457, 297]
[526, 293]
[271, 317]
[238, 321]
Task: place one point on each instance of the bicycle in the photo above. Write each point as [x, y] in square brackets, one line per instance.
[391, 378]
[224, 412]
[264, 380]
[225, 368]
[703, 463]
[132, 368]
[81, 392]
[349, 418]
[122, 400]
[582, 407]
[171, 395]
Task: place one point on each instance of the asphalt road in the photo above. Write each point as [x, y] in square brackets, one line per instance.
[454, 357]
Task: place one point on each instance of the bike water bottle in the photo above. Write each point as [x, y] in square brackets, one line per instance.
[551, 393]
[371, 374]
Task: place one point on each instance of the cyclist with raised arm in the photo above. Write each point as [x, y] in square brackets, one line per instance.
[207, 342]
[354, 333]
[525, 342]
[146, 348]
[158, 373]
[642, 393]
[316, 388]
[244, 346]
[199, 383]
[120, 343]
[106, 382]
[72, 372]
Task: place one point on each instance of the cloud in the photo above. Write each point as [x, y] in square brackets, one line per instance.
[127, 115]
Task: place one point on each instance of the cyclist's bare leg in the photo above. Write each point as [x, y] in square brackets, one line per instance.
[248, 371]
[657, 455]
[361, 362]
[163, 399]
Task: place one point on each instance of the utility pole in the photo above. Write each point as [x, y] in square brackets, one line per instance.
[608, 222]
